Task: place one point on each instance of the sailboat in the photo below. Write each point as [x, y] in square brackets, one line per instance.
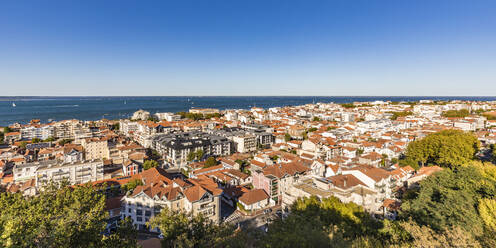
[13, 104]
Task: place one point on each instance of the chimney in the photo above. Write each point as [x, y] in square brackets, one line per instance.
[344, 182]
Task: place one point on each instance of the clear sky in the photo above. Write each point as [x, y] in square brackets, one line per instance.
[248, 47]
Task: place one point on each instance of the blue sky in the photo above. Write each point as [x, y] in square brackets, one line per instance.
[248, 47]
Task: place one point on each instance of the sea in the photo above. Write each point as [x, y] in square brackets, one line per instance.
[95, 108]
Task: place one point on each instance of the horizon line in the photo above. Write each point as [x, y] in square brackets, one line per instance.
[247, 96]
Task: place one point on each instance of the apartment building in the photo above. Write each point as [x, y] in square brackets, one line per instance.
[96, 148]
[162, 190]
[127, 127]
[245, 143]
[52, 170]
[168, 116]
[37, 131]
[205, 111]
[175, 147]
[276, 179]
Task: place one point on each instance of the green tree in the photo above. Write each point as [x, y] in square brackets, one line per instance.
[148, 164]
[211, 161]
[315, 118]
[65, 141]
[321, 223]
[182, 229]
[7, 130]
[131, 185]
[400, 114]
[199, 154]
[58, 217]
[116, 126]
[35, 140]
[348, 105]
[191, 156]
[447, 148]
[23, 144]
[450, 198]
[456, 113]
[424, 236]
[359, 151]
[287, 137]
[487, 211]
[49, 139]
[125, 236]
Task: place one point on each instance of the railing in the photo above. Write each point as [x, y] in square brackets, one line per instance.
[205, 200]
[203, 208]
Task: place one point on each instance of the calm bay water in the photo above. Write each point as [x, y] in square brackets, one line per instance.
[94, 108]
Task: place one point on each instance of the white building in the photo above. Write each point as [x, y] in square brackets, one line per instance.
[51, 170]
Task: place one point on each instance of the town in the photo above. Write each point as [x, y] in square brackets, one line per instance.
[239, 166]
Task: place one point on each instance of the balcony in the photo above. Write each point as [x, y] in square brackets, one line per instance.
[205, 200]
[60, 173]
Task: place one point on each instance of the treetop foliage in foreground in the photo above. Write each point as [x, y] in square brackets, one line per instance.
[59, 217]
[460, 198]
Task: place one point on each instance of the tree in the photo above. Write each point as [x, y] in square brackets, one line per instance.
[35, 140]
[400, 114]
[348, 105]
[116, 126]
[59, 216]
[153, 119]
[211, 161]
[125, 236]
[148, 164]
[359, 151]
[315, 118]
[424, 236]
[23, 144]
[296, 230]
[49, 139]
[7, 130]
[447, 148]
[327, 223]
[487, 211]
[287, 137]
[131, 185]
[384, 159]
[456, 113]
[191, 156]
[182, 229]
[450, 198]
[199, 154]
[65, 141]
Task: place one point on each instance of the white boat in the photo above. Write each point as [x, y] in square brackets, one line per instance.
[13, 104]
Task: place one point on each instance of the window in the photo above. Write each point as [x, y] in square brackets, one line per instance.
[139, 219]
[148, 213]
[139, 212]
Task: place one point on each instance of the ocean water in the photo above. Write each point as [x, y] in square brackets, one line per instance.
[95, 108]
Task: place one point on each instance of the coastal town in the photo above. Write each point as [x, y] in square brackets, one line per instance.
[235, 165]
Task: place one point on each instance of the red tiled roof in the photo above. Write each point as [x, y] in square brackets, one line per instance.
[253, 196]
